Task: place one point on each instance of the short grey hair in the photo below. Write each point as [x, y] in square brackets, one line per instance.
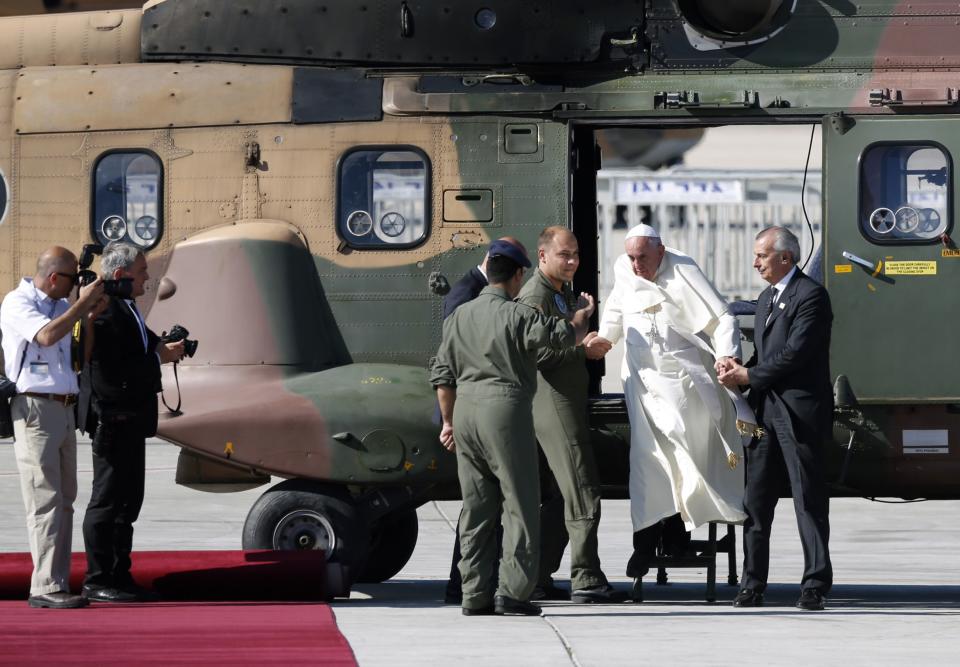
[118, 255]
[783, 241]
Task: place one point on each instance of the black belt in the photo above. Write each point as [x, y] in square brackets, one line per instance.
[66, 399]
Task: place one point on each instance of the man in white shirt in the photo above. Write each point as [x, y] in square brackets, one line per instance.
[36, 320]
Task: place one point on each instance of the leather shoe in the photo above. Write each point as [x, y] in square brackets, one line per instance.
[549, 592]
[57, 600]
[811, 600]
[142, 594]
[504, 606]
[748, 597]
[107, 594]
[477, 611]
[595, 594]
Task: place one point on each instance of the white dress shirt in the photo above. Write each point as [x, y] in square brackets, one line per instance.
[782, 285]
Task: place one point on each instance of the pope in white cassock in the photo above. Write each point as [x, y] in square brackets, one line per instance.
[685, 447]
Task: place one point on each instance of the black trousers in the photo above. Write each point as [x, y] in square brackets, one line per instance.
[771, 465]
[119, 451]
[670, 533]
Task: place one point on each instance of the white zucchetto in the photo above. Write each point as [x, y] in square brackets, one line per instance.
[642, 230]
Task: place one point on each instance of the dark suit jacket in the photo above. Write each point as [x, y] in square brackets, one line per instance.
[465, 289]
[790, 367]
[124, 378]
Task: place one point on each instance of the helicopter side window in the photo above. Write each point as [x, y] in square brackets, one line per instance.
[3, 197]
[383, 197]
[127, 196]
[905, 193]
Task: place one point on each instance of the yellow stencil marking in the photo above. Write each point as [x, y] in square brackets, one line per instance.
[950, 252]
[407, 466]
[433, 465]
[843, 268]
[871, 287]
[911, 269]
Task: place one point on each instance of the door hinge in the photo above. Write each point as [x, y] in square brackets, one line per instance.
[683, 99]
[915, 97]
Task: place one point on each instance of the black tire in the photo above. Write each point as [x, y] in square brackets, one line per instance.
[297, 514]
[392, 541]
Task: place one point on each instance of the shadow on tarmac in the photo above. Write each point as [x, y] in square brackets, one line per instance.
[869, 599]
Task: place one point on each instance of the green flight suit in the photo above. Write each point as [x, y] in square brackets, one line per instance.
[560, 418]
[489, 354]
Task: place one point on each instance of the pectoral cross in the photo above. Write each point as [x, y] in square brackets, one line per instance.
[654, 333]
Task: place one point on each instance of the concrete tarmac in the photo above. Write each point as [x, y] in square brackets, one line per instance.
[896, 600]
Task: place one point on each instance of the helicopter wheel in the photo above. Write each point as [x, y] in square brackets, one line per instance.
[392, 540]
[299, 514]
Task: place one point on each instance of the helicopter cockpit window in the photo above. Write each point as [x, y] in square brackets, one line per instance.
[905, 193]
[383, 197]
[127, 196]
[3, 197]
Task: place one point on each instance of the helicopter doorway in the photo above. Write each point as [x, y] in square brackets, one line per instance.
[708, 191]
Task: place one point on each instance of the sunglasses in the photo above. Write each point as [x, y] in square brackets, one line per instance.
[72, 277]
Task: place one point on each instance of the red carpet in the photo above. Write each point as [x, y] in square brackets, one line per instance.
[198, 575]
[172, 634]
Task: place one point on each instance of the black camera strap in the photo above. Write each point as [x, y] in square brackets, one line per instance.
[176, 410]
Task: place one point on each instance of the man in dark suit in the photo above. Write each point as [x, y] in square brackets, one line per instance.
[789, 379]
[125, 378]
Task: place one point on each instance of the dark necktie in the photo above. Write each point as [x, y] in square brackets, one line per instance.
[773, 301]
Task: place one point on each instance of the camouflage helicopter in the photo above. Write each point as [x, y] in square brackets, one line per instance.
[310, 176]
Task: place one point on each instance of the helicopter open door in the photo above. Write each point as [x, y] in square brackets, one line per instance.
[889, 262]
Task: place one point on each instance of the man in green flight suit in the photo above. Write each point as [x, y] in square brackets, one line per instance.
[560, 416]
[485, 374]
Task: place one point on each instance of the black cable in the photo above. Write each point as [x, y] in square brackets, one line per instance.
[803, 198]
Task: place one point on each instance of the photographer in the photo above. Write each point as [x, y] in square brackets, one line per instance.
[36, 320]
[125, 378]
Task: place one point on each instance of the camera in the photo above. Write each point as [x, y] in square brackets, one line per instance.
[121, 287]
[179, 333]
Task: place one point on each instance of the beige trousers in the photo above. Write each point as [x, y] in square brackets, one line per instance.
[45, 442]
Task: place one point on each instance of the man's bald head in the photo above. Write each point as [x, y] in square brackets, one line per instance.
[51, 263]
[55, 259]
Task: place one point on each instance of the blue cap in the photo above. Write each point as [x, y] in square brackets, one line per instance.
[507, 249]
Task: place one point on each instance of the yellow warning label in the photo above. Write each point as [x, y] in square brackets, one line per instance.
[842, 268]
[950, 252]
[911, 269]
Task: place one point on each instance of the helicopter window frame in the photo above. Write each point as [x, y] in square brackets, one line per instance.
[345, 211]
[4, 197]
[96, 188]
[865, 209]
